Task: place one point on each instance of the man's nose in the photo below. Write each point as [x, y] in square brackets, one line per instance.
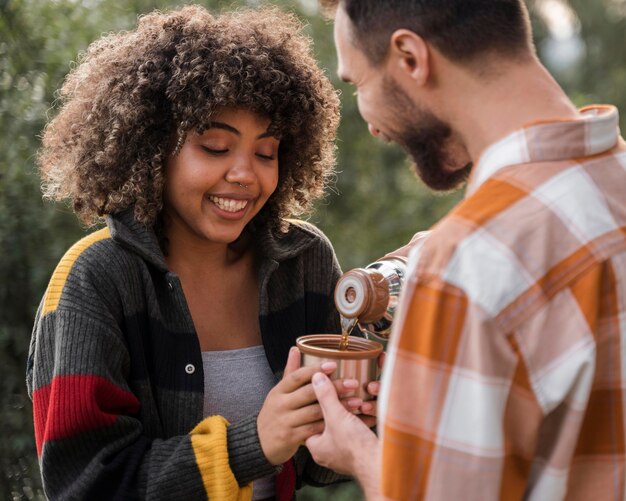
[373, 130]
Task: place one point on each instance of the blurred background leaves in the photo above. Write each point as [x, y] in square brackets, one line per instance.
[375, 205]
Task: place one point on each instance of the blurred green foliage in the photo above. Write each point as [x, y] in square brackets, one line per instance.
[375, 205]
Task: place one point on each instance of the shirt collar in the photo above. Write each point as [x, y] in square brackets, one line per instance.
[135, 236]
[595, 131]
[299, 237]
[143, 241]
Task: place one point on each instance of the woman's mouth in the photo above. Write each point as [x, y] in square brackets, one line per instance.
[229, 204]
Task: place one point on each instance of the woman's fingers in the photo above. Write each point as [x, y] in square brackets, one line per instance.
[381, 360]
[295, 379]
[370, 421]
[313, 412]
[305, 395]
[303, 432]
[373, 388]
[306, 415]
[293, 361]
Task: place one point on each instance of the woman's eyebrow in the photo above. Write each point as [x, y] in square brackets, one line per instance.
[230, 128]
[222, 125]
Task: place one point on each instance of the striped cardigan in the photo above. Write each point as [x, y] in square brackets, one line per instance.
[115, 369]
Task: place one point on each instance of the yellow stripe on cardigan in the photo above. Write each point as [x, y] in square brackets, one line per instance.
[208, 440]
[59, 277]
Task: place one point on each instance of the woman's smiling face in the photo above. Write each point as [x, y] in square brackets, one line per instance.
[222, 178]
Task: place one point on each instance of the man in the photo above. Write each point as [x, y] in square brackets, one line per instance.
[506, 370]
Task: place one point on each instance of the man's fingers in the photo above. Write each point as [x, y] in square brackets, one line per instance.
[326, 394]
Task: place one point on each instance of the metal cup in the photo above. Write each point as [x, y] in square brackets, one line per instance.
[359, 361]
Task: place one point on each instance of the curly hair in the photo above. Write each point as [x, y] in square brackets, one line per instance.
[133, 96]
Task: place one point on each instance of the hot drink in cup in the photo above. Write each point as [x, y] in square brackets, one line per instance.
[358, 361]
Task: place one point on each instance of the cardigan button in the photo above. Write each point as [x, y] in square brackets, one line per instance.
[190, 369]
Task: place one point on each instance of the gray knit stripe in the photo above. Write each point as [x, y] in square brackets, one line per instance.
[242, 436]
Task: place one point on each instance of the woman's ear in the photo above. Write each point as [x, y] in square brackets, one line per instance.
[410, 54]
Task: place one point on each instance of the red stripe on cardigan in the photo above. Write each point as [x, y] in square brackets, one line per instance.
[286, 482]
[73, 404]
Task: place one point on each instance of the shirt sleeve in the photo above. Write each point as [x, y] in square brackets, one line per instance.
[446, 384]
[88, 427]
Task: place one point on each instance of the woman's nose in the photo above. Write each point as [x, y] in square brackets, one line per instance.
[242, 171]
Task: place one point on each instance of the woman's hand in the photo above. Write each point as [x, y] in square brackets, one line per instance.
[291, 414]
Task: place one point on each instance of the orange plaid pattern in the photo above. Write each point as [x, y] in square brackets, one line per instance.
[506, 371]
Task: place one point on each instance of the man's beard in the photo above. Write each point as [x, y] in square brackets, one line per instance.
[424, 136]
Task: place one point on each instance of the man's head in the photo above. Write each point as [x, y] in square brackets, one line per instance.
[394, 52]
[461, 30]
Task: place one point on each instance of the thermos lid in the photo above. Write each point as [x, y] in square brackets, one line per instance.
[362, 294]
[351, 294]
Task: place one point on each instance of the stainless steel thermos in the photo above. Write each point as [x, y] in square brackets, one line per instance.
[369, 296]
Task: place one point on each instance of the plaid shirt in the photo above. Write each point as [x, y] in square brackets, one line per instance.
[506, 373]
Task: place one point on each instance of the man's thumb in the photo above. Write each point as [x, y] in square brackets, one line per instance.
[325, 392]
[312, 441]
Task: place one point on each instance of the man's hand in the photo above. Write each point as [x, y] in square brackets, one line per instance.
[418, 239]
[347, 445]
[369, 408]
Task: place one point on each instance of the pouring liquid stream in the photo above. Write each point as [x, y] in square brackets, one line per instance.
[347, 325]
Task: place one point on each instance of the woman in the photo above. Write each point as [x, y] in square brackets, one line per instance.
[159, 344]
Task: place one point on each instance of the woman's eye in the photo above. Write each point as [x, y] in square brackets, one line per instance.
[215, 151]
[265, 157]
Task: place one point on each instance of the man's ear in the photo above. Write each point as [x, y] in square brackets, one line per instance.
[410, 54]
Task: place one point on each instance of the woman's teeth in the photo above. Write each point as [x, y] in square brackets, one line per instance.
[228, 204]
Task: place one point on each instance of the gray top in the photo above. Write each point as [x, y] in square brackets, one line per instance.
[236, 383]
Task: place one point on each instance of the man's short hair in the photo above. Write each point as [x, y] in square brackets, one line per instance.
[462, 30]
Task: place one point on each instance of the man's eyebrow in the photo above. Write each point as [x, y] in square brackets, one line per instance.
[230, 128]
